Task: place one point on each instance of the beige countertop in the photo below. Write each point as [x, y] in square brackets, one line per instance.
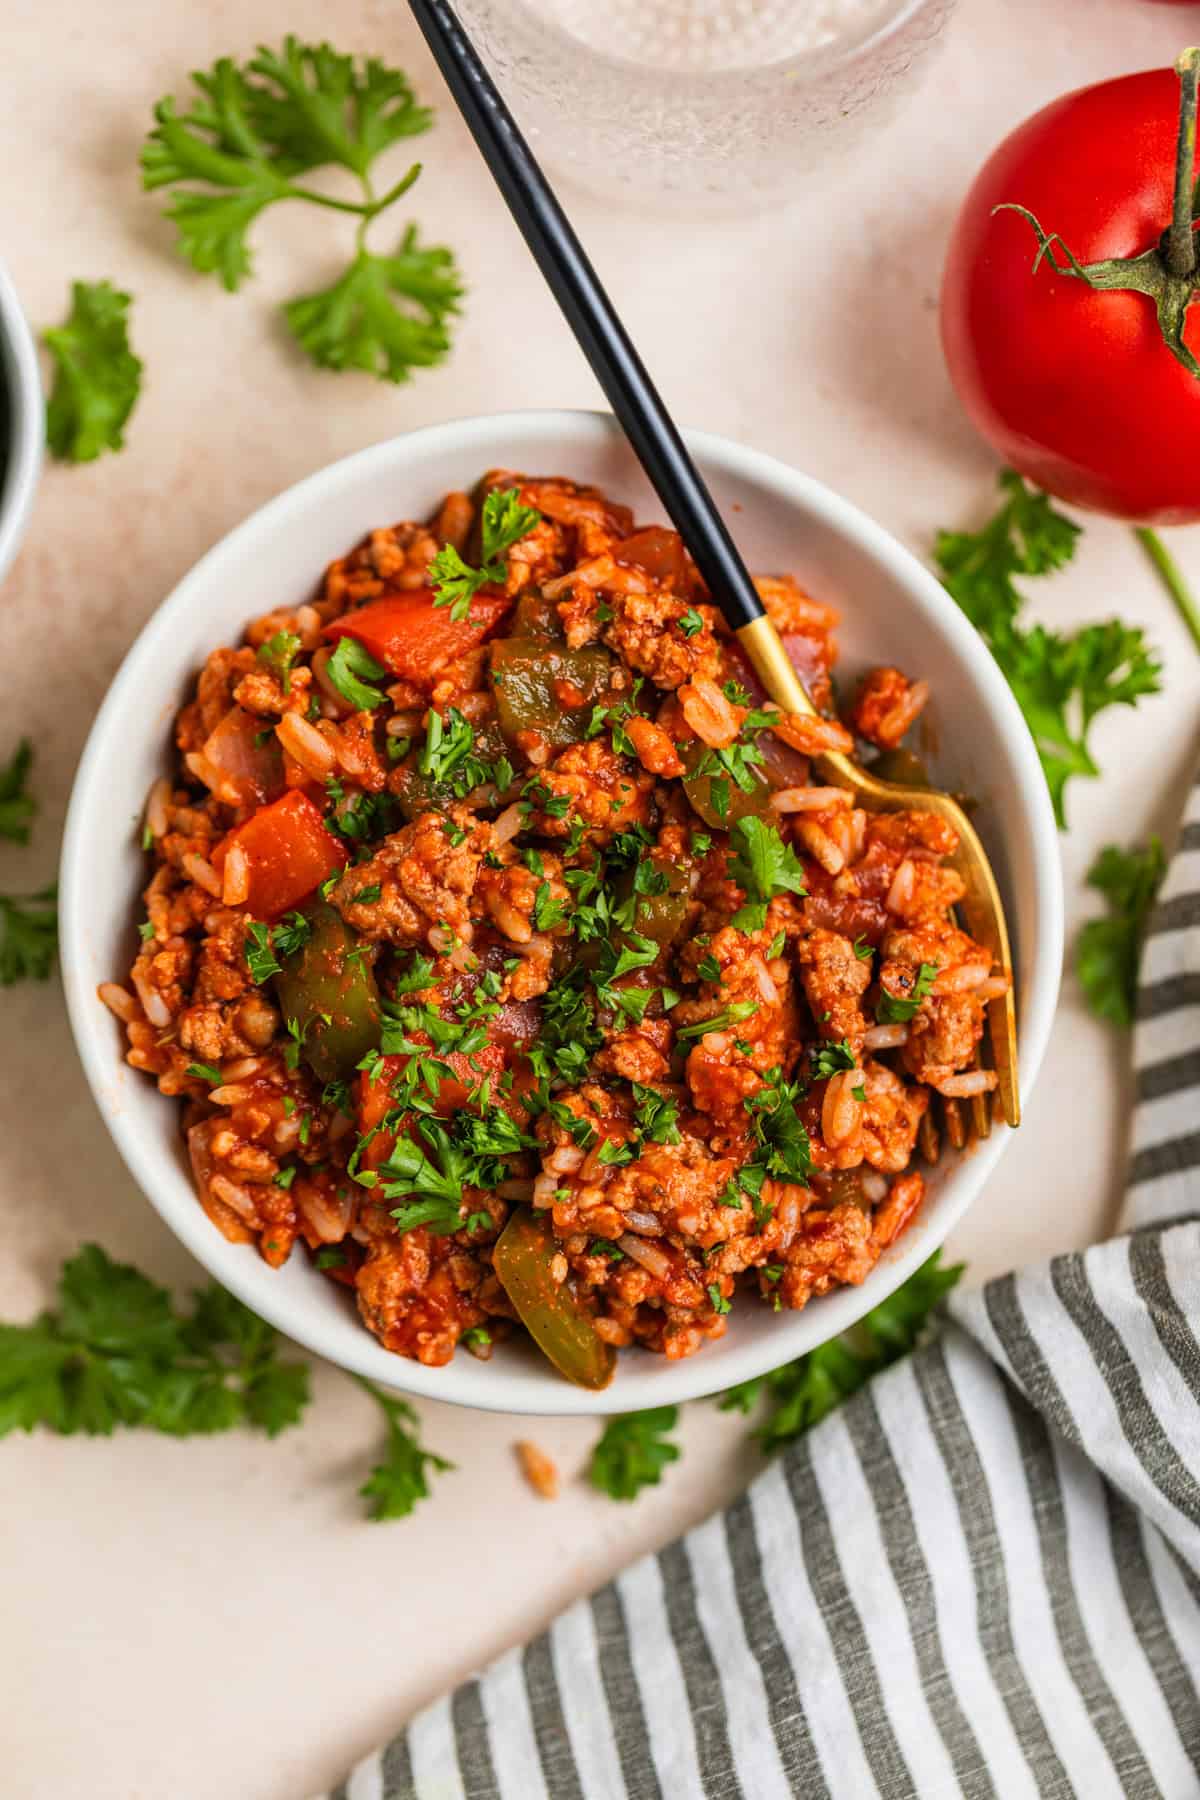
[213, 1619]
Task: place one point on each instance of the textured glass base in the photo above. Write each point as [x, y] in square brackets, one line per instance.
[715, 105]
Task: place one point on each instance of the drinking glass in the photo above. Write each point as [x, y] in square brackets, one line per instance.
[713, 105]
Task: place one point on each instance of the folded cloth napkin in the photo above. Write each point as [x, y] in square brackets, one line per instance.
[980, 1576]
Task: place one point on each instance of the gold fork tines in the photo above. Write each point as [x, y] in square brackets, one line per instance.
[981, 906]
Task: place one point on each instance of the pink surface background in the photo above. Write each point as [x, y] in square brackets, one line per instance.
[213, 1618]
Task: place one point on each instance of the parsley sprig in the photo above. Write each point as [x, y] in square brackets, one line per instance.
[802, 1393]
[28, 922]
[1061, 681]
[401, 1479]
[353, 672]
[97, 377]
[1108, 950]
[898, 1009]
[632, 1452]
[249, 133]
[764, 866]
[504, 521]
[116, 1350]
[18, 806]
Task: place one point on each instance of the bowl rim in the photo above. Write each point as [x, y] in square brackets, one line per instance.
[27, 423]
[466, 1381]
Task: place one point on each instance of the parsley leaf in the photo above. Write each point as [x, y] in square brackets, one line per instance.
[632, 1452]
[802, 1393]
[116, 1351]
[691, 622]
[17, 805]
[1107, 950]
[351, 669]
[764, 866]
[504, 521]
[827, 1059]
[448, 745]
[249, 132]
[898, 1009]
[206, 1072]
[656, 1116]
[279, 653]
[401, 1479]
[252, 129]
[96, 377]
[1061, 681]
[28, 935]
[385, 315]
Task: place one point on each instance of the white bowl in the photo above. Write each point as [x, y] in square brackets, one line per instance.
[26, 427]
[893, 611]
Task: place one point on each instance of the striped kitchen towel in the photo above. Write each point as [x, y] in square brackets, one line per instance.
[981, 1576]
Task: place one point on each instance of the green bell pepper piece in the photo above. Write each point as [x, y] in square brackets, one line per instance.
[659, 917]
[331, 997]
[739, 805]
[524, 673]
[551, 1315]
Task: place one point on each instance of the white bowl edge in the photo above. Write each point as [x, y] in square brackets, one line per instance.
[27, 426]
[513, 1382]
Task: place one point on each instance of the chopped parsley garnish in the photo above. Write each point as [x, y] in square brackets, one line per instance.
[279, 653]
[536, 796]
[708, 968]
[691, 622]
[352, 669]
[718, 1301]
[206, 1072]
[614, 716]
[731, 1015]
[829, 1059]
[265, 944]
[898, 1009]
[330, 1256]
[656, 1116]
[862, 950]
[763, 865]
[504, 522]
[548, 913]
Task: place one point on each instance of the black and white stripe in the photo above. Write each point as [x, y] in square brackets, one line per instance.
[980, 1577]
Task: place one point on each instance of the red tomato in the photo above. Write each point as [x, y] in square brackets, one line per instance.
[1075, 387]
[289, 853]
[415, 639]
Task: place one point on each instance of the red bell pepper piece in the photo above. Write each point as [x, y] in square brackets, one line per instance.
[289, 853]
[415, 639]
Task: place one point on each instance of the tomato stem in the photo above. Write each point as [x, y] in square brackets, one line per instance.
[1180, 248]
[1172, 579]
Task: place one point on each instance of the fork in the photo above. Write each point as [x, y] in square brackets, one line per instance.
[681, 488]
[981, 906]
